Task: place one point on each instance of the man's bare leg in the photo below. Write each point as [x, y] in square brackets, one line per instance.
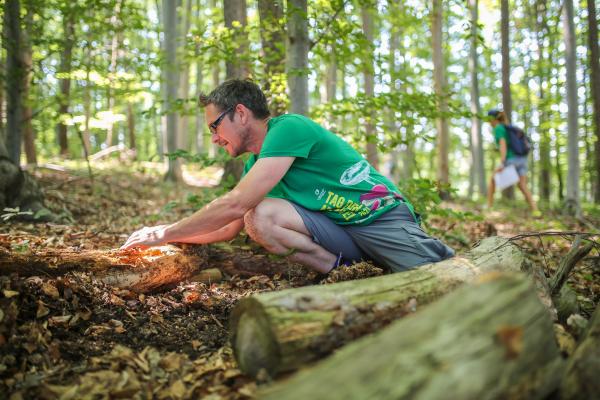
[490, 194]
[276, 225]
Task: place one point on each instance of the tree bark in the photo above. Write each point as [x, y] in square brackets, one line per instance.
[489, 340]
[280, 331]
[594, 56]
[140, 271]
[272, 38]
[15, 71]
[27, 57]
[440, 88]
[505, 33]
[297, 55]
[368, 68]
[65, 81]
[476, 136]
[542, 72]
[131, 129]
[115, 21]
[573, 205]
[171, 76]
[580, 380]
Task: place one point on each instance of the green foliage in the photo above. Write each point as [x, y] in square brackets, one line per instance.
[424, 194]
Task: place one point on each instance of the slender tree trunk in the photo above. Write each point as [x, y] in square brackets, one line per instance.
[506, 96]
[2, 85]
[115, 20]
[572, 200]
[65, 81]
[272, 37]
[131, 128]
[594, 56]
[15, 71]
[237, 66]
[440, 87]
[297, 56]
[368, 67]
[184, 83]
[27, 57]
[545, 165]
[87, 103]
[235, 11]
[171, 75]
[476, 136]
[199, 144]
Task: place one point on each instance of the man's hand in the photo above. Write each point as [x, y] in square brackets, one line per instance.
[146, 237]
[500, 168]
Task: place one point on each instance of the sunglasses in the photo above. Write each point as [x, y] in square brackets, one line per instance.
[213, 125]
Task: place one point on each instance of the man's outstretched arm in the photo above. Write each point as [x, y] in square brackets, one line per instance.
[250, 191]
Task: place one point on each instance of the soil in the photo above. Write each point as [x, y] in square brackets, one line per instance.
[71, 336]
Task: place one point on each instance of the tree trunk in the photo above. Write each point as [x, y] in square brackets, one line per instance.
[184, 82]
[199, 142]
[236, 67]
[15, 71]
[280, 331]
[573, 205]
[476, 136]
[272, 38]
[27, 57]
[545, 165]
[489, 340]
[171, 76]
[297, 55]
[440, 88]
[115, 21]
[504, 31]
[368, 68]
[65, 81]
[235, 11]
[594, 56]
[140, 271]
[580, 380]
[131, 128]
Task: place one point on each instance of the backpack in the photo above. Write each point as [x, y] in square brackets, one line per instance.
[518, 141]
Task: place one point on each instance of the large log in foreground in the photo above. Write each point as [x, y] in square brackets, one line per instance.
[280, 331]
[140, 271]
[490, 340]
[581, 375]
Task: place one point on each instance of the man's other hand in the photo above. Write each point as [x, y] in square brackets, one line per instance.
[146, 237]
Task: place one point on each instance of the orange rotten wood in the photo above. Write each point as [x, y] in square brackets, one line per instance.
[138, 270]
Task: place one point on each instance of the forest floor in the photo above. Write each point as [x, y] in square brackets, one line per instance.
[71, 336]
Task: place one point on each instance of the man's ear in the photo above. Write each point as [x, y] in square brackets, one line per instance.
[244, 112]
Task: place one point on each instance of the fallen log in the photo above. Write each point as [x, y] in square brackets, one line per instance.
[280, 331]
[489, 340]
[580, 380]
[140, 271]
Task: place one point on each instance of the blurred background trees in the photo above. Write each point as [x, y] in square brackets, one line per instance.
[406, 82]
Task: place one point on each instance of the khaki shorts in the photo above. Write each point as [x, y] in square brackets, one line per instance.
[394, 240]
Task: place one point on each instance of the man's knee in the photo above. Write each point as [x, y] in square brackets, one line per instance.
[258, 219]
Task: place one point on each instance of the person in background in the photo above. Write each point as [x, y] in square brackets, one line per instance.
[499, 122]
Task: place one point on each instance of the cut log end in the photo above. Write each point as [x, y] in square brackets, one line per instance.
[253, 338]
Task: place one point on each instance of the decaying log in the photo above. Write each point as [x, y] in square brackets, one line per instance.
[280, 331]
[141, 271]
[581, 375]
[489, 340]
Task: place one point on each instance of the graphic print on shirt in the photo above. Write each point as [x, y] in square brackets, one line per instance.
[378, 196]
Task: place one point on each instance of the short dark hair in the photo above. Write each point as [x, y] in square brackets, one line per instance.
[237, 91]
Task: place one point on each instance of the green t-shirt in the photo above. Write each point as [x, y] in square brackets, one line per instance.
[328, 175]
[501, 133]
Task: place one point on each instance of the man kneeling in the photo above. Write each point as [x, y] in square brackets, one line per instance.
[305, 191]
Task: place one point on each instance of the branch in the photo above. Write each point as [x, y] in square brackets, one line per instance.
[576, 254]
[327, 25]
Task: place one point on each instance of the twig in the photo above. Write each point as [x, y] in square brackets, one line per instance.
[331, 19]
[87, 160]
[576, 254]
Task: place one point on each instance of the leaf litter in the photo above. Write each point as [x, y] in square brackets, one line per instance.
[72, 336]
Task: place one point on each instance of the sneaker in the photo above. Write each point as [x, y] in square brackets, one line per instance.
[536, 214]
